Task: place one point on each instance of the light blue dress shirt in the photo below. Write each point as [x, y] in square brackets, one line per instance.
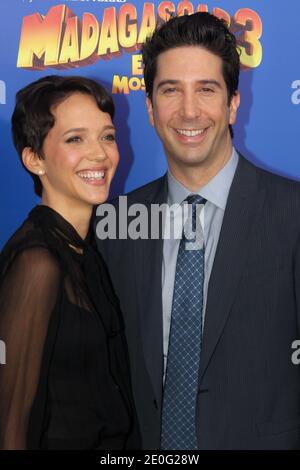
[216, 193]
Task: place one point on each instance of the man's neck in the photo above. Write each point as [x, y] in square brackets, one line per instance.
[193, 177]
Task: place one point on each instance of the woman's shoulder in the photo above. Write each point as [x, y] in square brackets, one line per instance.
[38, 258]
[31, 263]
[28, 248]
[26, 233]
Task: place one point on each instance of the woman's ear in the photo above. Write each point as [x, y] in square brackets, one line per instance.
[32, 162]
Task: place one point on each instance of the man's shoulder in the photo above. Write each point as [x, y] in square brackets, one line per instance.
[270, 179]
[154, 191]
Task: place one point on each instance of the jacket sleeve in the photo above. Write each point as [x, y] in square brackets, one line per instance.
[28, 292]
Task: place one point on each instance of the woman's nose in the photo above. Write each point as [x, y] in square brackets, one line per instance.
[97, 151]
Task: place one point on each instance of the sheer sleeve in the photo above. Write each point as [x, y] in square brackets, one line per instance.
[28, 292]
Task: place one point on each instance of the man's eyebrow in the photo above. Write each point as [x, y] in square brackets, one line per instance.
[167, 82]
[209, 81]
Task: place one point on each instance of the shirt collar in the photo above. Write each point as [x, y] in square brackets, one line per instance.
[215, 191]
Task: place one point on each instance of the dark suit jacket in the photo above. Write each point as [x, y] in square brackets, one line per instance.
[249, 390]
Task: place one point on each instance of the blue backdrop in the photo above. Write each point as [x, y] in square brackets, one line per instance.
[100, 39]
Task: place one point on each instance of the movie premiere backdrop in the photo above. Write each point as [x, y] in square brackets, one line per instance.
[100, 39]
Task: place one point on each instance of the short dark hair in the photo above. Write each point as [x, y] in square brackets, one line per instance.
[32, 118]
[199, 29]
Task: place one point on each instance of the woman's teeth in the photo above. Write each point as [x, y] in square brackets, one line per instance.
[97, 175]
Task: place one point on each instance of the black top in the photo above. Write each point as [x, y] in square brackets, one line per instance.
[65, 384]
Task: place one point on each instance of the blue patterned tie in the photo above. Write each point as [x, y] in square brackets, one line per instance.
[181, 382]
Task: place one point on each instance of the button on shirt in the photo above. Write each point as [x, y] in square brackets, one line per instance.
[211, 217]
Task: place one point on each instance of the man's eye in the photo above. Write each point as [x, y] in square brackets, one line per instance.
[110, 137]
[207, 90]
[73, 139]
[169, 91]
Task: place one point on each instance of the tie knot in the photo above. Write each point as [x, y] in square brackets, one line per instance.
[192, 226]
[195, 199]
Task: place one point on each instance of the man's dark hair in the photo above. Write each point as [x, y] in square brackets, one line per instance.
[32, 118]
[199, 29]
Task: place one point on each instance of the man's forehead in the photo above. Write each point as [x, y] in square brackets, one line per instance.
[194, 57]
[189, 65]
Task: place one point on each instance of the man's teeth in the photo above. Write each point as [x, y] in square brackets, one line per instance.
[97, 175]
[188, 133]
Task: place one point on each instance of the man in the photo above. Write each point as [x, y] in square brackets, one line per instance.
[241, 389]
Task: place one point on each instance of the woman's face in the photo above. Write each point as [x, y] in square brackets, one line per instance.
[80, 154]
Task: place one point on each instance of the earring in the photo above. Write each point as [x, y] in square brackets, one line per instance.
[41, 172]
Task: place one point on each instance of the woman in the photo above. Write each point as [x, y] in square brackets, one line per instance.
[65, 384]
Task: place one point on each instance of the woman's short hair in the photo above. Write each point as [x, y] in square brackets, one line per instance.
[32, 118]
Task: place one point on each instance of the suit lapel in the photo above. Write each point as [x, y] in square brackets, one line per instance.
[148, 270]
[243, 206]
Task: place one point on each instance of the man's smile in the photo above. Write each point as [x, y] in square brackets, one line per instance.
[190, 132]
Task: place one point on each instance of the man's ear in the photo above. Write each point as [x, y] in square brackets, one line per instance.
[150, 110]
[234, 105]
[32, 162]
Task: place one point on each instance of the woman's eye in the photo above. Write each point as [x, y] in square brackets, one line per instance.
[73, 139]
[110, 137]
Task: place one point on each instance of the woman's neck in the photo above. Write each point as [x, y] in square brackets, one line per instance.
[78, 216]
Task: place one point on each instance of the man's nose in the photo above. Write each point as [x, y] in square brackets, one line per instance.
[189, 106]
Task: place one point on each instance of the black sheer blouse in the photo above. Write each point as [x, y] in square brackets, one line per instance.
[65, 384]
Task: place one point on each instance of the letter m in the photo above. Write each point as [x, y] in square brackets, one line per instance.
[40, 38]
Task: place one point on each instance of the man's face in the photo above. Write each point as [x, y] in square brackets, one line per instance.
[190, 110]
